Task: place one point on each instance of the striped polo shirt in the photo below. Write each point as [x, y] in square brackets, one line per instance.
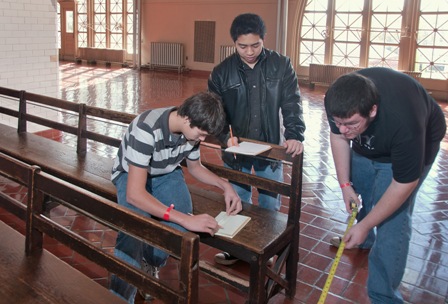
[148, 143]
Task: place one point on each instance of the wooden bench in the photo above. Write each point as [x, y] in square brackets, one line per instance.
[28, 270]
[73, 164]
[268, 234]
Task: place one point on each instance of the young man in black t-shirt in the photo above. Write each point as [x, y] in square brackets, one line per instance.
[385, 135]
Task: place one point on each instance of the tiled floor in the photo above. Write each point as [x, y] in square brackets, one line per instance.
[426, 277]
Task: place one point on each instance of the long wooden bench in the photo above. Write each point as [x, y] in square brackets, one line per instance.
[42, 278]
[268, 234]
[33, 275]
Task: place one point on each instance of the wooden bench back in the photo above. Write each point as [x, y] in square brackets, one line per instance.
[183, 246]
[292, 190]
[81, 110]
[19, 172]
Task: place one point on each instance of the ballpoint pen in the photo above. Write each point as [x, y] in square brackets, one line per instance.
[231, 136]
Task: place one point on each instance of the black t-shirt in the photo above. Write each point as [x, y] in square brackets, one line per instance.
[407, 129]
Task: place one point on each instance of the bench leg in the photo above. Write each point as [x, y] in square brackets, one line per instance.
[33, 237]
[291, 268]
[257, 292]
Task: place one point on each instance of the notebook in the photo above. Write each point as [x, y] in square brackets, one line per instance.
[231, 224]
[248, 148]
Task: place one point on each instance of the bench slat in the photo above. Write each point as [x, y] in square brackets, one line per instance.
[51, 124]
[52, 102]
[112, 115]
[246, 178]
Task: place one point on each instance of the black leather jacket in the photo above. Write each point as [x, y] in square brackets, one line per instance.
[281, 93]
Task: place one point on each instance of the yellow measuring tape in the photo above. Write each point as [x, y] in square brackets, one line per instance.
[330, 277]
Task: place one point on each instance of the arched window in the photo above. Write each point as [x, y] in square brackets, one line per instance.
[366, 33]
[105, 24]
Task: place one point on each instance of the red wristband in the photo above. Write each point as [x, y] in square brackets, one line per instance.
[346, 185]
[166, 216]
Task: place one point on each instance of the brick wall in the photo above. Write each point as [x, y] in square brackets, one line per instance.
[28, 46]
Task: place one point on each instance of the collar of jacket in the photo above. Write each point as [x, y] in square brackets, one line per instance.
[261, 57]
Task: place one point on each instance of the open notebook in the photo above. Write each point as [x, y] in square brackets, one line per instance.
[248, 148]
[231, 224]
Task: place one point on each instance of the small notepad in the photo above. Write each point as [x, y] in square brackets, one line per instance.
[231, 224]
[248, 148]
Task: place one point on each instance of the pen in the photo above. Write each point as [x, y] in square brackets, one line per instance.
[231, 136]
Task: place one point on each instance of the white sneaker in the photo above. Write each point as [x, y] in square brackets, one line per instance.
[336, 242]
[152, 270]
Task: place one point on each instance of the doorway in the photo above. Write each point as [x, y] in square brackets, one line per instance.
[67, 48]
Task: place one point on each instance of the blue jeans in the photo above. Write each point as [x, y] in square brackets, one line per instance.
[389, 242]
[168, 189]
[262, 168]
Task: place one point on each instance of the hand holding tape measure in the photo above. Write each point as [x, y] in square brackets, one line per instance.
[332, 272]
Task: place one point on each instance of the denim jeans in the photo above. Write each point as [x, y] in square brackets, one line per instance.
[389, 242]
[262, 168]
[168, 189]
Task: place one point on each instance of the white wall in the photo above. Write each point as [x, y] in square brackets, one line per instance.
[28, 46]
[173, 21]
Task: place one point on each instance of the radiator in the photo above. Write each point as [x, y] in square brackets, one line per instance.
[416, 75]
[97, 54]
[327, 73]
[167, 55]
[225, 51]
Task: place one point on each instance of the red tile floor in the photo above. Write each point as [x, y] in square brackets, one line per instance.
[426, 277]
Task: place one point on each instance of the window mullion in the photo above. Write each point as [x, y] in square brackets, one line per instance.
[365, 35]
[108, 24]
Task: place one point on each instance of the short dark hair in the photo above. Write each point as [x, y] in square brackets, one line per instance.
[247, 24]
[204, 111]
[350, 94]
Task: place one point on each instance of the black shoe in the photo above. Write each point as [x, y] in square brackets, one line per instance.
[224, 258]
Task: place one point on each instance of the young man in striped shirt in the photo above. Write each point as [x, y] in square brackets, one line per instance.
[149, 179]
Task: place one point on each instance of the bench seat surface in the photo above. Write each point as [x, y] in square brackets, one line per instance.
[42, 277]
[91, 172]
[250, 237]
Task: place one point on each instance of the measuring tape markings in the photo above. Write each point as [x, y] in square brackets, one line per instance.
[332, 272]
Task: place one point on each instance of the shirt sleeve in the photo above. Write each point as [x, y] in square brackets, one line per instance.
[140, 146]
